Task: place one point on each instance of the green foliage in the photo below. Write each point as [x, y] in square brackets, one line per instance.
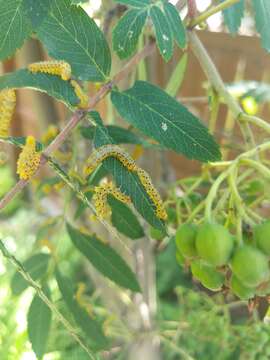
[262, 18]
[163, 32]
[177, 76]
[91, 327]
[124, 220]
[127, 31]
[36, 12]
[20, 141]
[176, 24]
[134, 3]
[104, 258]
[38, 323]
[168, 277]
[233, 16]
[15, 27]
[118, 135]
[51, 84]
[68, 33]
[161, 117]
[36, 266]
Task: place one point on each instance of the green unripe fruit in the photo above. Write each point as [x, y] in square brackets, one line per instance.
[250, 265]
[207, 275]
[240, 290]
[262, 237]
[157, 234]
[172, 215]
[214, 244]
[185, 240]
[180, 258]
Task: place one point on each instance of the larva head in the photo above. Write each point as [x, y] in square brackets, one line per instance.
[66, 71]
[83, 97]
[88, 169]
[30, 141]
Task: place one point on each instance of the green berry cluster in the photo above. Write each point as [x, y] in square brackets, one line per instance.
[218, 262]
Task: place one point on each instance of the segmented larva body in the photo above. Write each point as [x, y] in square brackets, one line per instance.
[7, 107]
[80, 94]
[60, 68]
[152, 193]
[100, 198]
[106, 151]
[29, 159]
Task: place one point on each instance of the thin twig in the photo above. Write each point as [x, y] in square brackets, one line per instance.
[20, 268]
[215, 80]
[213, 10]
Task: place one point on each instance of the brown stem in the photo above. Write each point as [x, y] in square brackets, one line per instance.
[78, 116]
[192, 9]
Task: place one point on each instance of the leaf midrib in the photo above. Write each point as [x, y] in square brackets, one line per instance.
[75, 39]
[10, 25]
[105, 259]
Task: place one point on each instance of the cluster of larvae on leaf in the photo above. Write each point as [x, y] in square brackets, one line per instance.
[101, 192]
[219, 263]
[29, 158]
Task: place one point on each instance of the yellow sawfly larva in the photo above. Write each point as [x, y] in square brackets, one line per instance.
[106, 151]
[83, 97]
[7, 107]
[100, 198]
[29, 159]
[54, 67]
[152, 193]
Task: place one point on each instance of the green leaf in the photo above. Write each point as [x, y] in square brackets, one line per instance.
[128, 182]
[15, 27]
[104, 259]
[118, 134]
[36, 266]
[161, 117]
[51, 84]
[177, 76]
[124, 220]
[69, 34]
[127, 31]
[177, 27]
[91, 327]
[168, 277]
[134, 3]
[262, 18]
[19, 141]
[163, 32]
[36, 12]
[39, 318]
[233, 16]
